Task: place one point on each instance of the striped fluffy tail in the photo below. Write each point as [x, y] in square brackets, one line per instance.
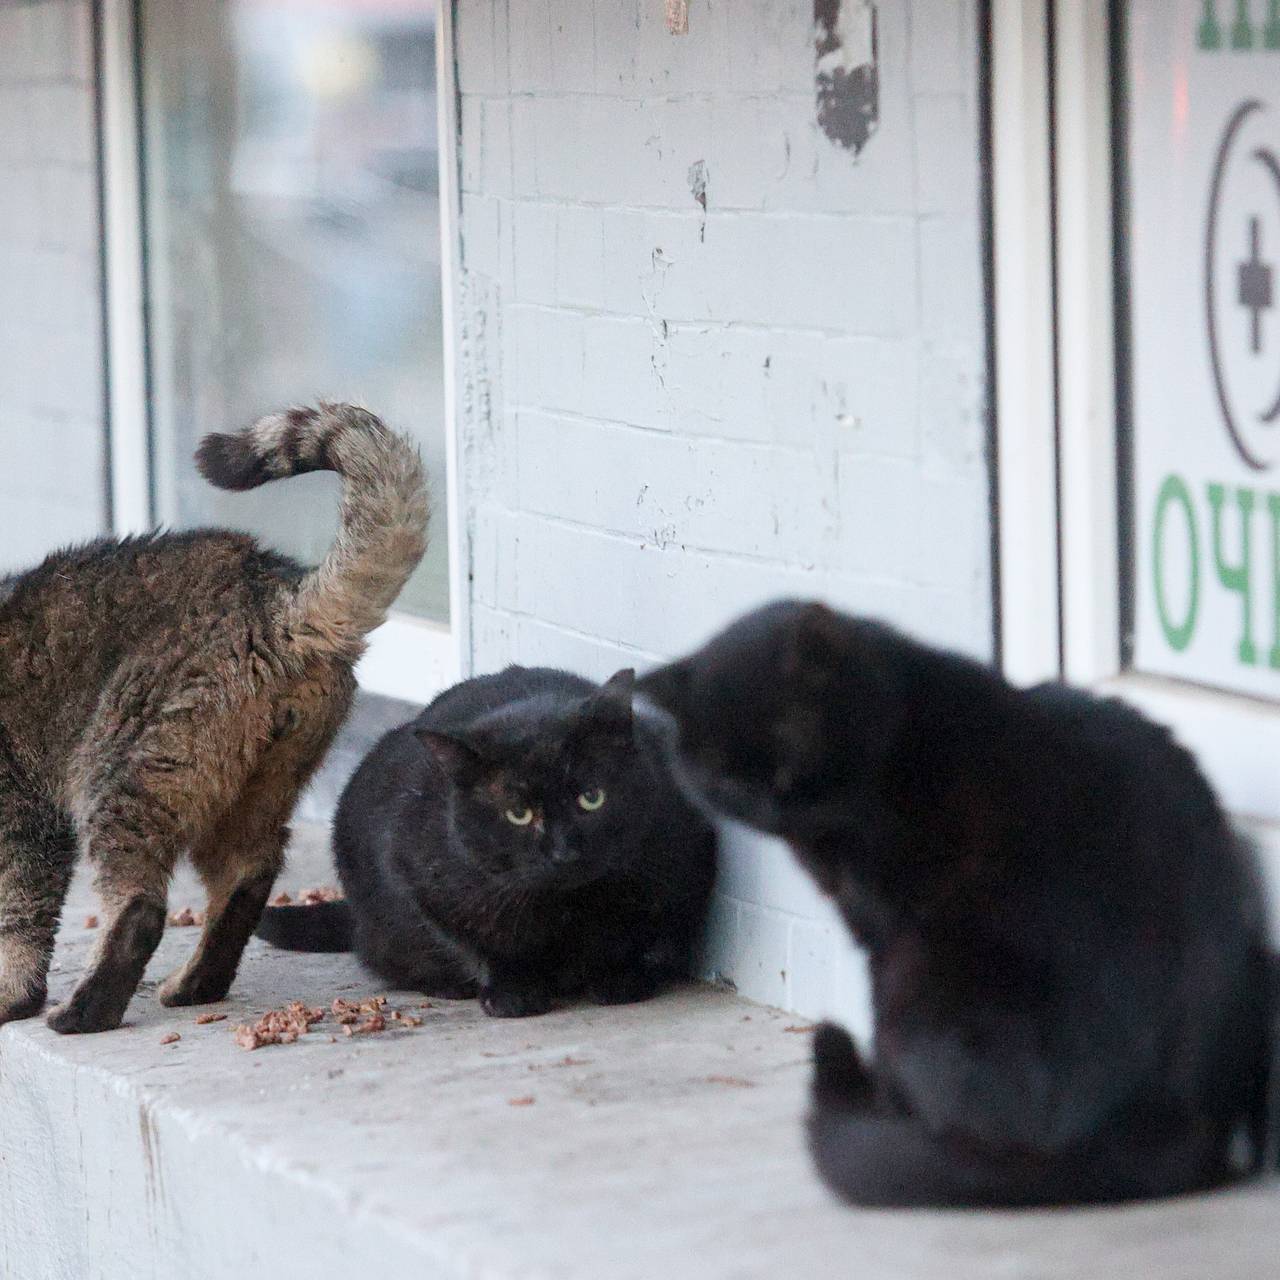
[383, 529]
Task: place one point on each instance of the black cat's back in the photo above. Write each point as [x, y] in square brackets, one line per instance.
[506, 690]
[1072, 985]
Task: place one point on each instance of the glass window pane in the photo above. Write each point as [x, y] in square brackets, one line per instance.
[53, 473]
[1200, 226]
[293, 243]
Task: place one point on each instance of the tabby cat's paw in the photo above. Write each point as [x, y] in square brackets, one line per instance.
[23, 1006]
[839, 1076]
[183, 988]
[519, 1002]
[85, 1012]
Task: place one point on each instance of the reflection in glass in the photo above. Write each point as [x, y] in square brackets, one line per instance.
[293, 243]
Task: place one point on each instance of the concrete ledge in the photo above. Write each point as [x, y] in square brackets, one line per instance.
[663, 1141]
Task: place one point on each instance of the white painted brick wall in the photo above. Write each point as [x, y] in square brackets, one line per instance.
[669, 417]
[52, 464]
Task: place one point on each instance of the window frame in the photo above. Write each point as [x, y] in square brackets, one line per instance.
[1059, 299]
[408, 657]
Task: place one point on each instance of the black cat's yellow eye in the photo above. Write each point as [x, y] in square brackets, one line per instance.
[519, 817]
[591, 800]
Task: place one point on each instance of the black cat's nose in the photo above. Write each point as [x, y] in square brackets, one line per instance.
[562, 853]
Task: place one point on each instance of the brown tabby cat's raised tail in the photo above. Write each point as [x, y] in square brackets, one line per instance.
[383, 529]
[172, 694]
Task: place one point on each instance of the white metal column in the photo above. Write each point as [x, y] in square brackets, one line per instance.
[123, 276]
[1025, 410]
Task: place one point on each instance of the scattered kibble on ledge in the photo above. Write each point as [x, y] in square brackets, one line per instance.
[310, 897]
[355, 1017]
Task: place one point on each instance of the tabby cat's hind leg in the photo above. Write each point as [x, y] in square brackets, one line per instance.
[37, 855]
[238, 863]
[131, 888]
[241, 855]
[163, 758]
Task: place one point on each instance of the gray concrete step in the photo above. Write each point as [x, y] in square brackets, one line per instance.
[658, 1140]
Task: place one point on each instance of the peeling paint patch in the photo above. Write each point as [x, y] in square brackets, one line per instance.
[846, 75]
[698, 188]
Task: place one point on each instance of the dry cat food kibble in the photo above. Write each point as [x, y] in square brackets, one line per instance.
[172, 1038]
[186, 918]
[323, 893]
[348, 1012]
[205, 1018]
[310, 897]
[527, 1101]
[374, 1022]
[356, 1017]
[278, 1026]
[91, 922]
[733, 1082]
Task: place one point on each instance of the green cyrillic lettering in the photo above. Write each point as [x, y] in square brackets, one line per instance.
[1236, 577]
[1178, 635]
[1273, 506]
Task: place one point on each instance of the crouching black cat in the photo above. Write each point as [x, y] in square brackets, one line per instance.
[1072, 990]
[522, 840]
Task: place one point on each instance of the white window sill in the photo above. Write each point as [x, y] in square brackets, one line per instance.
[400, 1154]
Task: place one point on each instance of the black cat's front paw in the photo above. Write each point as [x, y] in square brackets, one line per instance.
[839, 1076]
[515, 1002]
[628, 987]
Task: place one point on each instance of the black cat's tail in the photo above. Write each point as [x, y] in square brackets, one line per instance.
[876, 1159]
[325, 926]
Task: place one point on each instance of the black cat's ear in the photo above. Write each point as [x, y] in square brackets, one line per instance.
[817, 641]
[608, 710]
[665, 687]
[452, 754]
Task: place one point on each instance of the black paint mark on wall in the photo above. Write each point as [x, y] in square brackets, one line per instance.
[846, 77]
[698, 189]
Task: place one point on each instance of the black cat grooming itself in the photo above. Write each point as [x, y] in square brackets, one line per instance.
[1071, 982]
[522, 840]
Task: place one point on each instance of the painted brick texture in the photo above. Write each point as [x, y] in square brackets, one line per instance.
[52, 476]
[671, 414]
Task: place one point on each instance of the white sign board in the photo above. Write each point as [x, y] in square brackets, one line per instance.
[1202, 82]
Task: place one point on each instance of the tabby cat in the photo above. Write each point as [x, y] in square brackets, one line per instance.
[171, 694]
